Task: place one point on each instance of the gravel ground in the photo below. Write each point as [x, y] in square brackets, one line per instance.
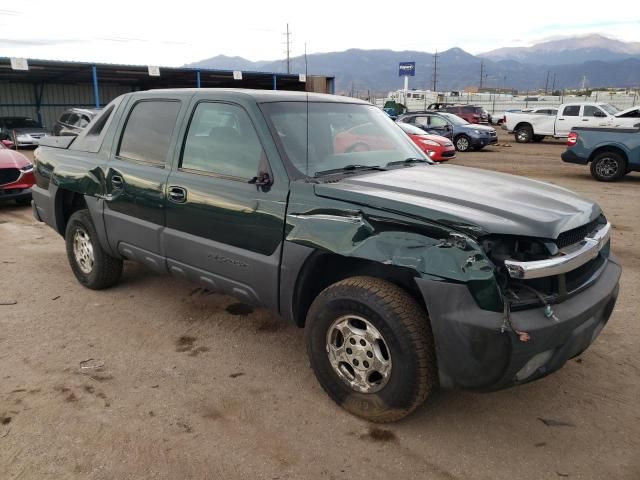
[156, 378]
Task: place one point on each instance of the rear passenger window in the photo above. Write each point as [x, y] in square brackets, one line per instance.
[147, 133]
[222, 140]
[571, 111]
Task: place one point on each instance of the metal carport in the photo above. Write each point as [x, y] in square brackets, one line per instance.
[49, 87]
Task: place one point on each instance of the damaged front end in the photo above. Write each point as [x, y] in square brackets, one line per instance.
[499, 316]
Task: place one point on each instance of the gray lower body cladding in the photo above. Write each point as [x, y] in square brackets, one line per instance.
[476, 351]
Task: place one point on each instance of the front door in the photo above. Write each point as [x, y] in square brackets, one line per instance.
[223, 229]
[594, 117]
[136, 179]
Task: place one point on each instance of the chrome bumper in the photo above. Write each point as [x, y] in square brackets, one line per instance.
[568, 259]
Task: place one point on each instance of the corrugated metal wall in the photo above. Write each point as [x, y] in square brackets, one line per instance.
[20, 99]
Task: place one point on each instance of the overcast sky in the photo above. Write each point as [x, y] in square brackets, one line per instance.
[184, 31]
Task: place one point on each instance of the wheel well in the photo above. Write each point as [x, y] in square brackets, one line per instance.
[324, 269]
[609, 148]
[67, 202]
[523, 124]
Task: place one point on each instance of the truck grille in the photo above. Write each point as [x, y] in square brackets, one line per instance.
[577, 234]
[8, 175]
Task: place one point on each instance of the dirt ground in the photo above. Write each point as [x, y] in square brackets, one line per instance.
[156, 378]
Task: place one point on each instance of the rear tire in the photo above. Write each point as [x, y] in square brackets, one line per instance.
[93, 267]
[523, 134]
[371, 348]
[463, 143]
[608, 167]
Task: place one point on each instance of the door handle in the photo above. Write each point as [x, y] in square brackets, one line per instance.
[585, 119]
[117, 182]
[177, 195]
[561, 119]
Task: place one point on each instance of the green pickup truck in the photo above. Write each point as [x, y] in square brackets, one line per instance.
[405, 275]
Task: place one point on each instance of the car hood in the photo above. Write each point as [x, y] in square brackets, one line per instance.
[471, 200]
[437, 138]
[12, 159]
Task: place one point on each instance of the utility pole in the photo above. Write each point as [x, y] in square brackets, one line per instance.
[481, 74]
[553, 85]
[435, 71]
[546, 84]
[288, 35]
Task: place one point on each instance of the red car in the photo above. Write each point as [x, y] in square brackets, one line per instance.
[437, 148]
[16, 176]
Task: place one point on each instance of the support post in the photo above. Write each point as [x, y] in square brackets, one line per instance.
[38, 94]
[96, 91]
[198, 79]
[275, 82]
[406, 89]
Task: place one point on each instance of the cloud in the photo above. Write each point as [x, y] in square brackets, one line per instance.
[39, 42]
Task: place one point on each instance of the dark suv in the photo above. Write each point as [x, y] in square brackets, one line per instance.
[471, 113]
[465, 136]
[73, 121]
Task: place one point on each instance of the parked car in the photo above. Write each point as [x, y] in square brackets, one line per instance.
[631, 112]
[405, 275]
[22, 131]
[612, 152]
[470, 113]
[364, 137]
[439, 106]
[16, 176]
[438, 148]
[527, 126]
[74, 120]
[464, 135]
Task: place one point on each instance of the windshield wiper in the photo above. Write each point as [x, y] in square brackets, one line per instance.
[348, 168]
[409, 161]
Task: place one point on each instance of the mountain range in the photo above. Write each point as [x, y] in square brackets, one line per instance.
[554, 64]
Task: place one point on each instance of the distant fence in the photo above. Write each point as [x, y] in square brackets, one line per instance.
[496, 104]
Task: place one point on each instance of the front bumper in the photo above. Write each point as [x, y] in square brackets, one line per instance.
[570, 156]
[15, 193]
[483, 141]
[475, 352]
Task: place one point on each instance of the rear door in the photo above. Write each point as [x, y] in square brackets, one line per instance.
[568, 118]
[223, 229]
[136, 178]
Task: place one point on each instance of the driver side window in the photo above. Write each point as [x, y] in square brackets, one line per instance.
[222, 140]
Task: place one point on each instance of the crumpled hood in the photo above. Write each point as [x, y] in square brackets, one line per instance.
[12, 159]
[468, 199]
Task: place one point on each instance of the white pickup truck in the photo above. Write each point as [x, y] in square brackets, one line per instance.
[528, 127]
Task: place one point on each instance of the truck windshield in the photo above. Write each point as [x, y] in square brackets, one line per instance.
[320, 137]
[610, 109]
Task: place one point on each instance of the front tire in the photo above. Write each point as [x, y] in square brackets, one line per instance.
[371, 348]
[93, 267]
[463, 143]
[608, 167]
